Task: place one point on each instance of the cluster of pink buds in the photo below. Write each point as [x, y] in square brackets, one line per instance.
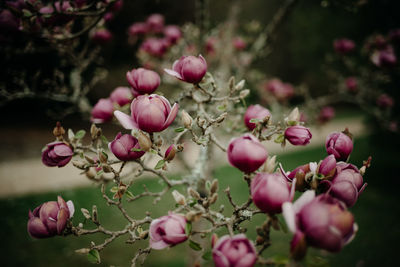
[343, 46]
[158, 38]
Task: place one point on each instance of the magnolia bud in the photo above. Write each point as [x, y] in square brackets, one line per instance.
[86, 213]
[213, 198]
[95, 216]
[89, 159]
[103, 157]
[95, 132]
[58, 131]
[79, 164]
[91, 173]
[240, 85]
[193, 193]
[144, 141]
[144, 234]
[270, 165]
[214, 186]
[170, 153]
[294, 116]
[362, 170]
[186, 120]
[191, 216]
[107, 168]
[244, 93]
[179, 198]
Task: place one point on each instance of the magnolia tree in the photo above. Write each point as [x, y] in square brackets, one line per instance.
[318, 218]
[209, 106]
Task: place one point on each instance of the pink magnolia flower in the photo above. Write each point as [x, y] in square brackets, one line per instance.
[246, 153]
[124, 146]
[270, 190]
[343, 46]
[385, 101]
[155, 46]
[326, 114]
[57, 154]
[384, 58]
[138, 28]
[282, 91]
[143, 81]
[351, 84]
[298, 135]
[167, 231]
[323, 220]
[155, 22]
[50, 218]
[170, 153]
[172, 33]
[121, 96]
[327, 167]
[149, 113]
[234, 251]
[102, 36]
[339, 144]
[348, 184]
[255, 112]
[239, 43]
[189, 69]
[102, 111]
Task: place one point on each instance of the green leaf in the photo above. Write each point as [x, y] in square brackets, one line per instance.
[104, 139]
[129, 194]
[153, 151]
[221, 108]
[193, 245]
[188, 228]
[136, 149]
[180, 129]
[160, 164]
[114, 189]
[80, 134]
[207, 255]
[94, 256]
[104, 154]
[99, 172]
[71, 134]
[279, 139]
[255, 120]
[26, 13]
[194, 202]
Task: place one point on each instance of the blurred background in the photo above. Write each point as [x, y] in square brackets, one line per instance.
[300, 52]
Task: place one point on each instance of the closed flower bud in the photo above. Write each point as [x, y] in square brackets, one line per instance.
[143, 81]
[244, 93]
[102, 36]
[138, 28]
[125, 147]
[58, 131]
[79, 164]
[255, 112]
[50, 218]
[170, 153]
[326, 114]
[186, 120]
[239, 43]
[351, 84]
[343, 46]
[323, 220]
[155, 46]
[328, 166]
[385, 101]
[340, 145]
[298, 135]
[214, 239]
[57, 154]
[234, 251]
[144, 141]
[269, 191]
[298, 246]
[102, 111]
[282, 91]
[179, 198]
[151, 113]
[246, 153]
[172, 33]
[121, 96]
[384, 58]
[213, 198]
[167, 231]
[189, 69]
[193, 193]
[214, 186]
[155, 22]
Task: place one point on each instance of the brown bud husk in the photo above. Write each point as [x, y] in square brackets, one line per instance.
[194, 193]
[91, 174]
[58, 131]
[95, 132]
[179, 198]
[79, 164]
[186, 119]
[214, 186]
[213, 198]
[144, 141]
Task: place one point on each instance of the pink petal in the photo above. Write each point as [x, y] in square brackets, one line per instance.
[158, 244]
[289, 215]
[305, 198]
[125, 120]
[71, 208]
[172, 115]
[173, 73]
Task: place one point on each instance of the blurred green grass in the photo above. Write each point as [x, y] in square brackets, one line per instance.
[375, 213]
